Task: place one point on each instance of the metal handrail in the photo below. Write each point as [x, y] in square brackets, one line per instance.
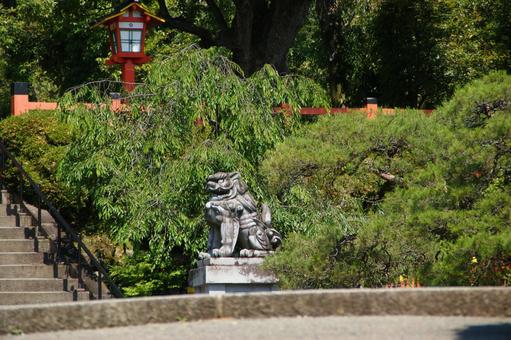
[62, 224]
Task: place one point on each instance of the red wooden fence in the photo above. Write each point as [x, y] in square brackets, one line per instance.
[20, 104]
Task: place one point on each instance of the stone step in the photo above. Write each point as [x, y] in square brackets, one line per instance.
[8, 221]
[5, 209]
[20, 298]
[36, 285]
[31, 271]
[21, 258]
[23, 245]
[16, 245]
[16, 232]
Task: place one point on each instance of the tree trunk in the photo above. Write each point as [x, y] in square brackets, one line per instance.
[261, 32]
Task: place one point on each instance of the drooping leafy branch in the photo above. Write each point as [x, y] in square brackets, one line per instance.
[145, 167]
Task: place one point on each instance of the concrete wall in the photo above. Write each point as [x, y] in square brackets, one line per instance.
[482, 302]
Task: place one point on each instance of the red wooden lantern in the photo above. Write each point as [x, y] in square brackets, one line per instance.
[127, 26]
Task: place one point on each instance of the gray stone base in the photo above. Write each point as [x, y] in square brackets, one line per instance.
[231, 275]
[459, 301]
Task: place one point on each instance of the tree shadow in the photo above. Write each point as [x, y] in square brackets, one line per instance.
[480, 332]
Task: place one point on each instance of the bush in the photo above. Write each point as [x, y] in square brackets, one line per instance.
[39, 141]
[478, 173]
[329, 177]
[472, 105]
[445, 223]
[139, 275]
[351, 161]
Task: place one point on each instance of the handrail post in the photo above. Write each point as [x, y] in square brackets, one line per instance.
[80, 279]
[59, 236]
[20, 193]
[39, 214]
[2, 170]
[20, 205]
[100, 290]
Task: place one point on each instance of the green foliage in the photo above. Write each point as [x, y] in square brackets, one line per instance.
[317, 261]
[476, 38]
[144, 169]
[423, 197]
[446, 222]
[473, 105]
[478, 170]
[307, 56]
[410, 67]
[39, 142]
[407, 53]
[350, 160]
[50, 44]
[333, 174]
[139, 276]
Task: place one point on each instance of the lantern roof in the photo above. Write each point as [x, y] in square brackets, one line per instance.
[123, 8]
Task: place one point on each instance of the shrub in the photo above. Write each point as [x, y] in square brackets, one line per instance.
[478, 172]
[139, 275]
[472, 105]
[328, 178]
[39, 141]
[445, 223]
[351, 161]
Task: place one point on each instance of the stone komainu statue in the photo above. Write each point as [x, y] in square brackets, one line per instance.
[235, 222]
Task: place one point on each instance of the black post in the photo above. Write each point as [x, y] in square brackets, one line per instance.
[115, 95]
[2, 169]
[372, 100]
[20, 192]
[57, 258]
[80, 279]
[100, 288]
[39, 223]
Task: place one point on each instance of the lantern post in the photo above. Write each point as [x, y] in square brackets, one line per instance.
[127, 27]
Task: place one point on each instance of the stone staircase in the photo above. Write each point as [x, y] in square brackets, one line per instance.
[27, 275]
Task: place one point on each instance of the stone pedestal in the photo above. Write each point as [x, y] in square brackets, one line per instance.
[6, 198]
[231, 275]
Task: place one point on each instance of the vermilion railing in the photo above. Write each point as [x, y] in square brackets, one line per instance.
[21, 104]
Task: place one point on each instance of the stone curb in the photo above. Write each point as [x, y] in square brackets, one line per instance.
[481, 302]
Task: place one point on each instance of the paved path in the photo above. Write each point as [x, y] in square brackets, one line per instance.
[367, 327]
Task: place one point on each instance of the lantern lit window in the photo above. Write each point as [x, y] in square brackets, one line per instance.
[131, 40]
